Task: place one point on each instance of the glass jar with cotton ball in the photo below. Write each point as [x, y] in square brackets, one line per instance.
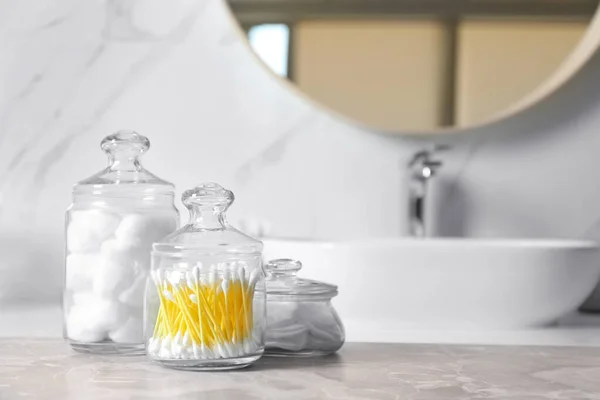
[115, 217]
[205, 306]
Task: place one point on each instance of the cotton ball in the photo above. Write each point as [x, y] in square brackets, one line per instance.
[138, 257]
[113, 247]
[88, 229]
[112, 278]
[134, 295]
[80, 270]
[91, 317]
[143, 230]
[82, 297]
[78, 327]
[130, 332]
[116, 269]
[142, 258]
[96, 314]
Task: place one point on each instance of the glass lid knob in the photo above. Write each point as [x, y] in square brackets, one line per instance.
[207, 204]
[123, 149]
[208, 194]
[283, 267]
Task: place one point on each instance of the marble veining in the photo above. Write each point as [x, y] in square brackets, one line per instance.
[47, 369]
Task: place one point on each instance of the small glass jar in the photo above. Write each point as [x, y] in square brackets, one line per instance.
[301, 321]
[115, 217]
[205, 308]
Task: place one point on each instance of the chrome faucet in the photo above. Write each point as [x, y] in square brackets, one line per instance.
[423, 166]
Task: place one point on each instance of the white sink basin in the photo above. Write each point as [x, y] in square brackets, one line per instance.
[449, 283]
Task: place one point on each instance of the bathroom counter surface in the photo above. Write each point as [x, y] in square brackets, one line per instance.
[48, 369]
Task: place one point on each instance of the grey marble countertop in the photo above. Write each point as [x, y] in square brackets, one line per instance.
[48, 369]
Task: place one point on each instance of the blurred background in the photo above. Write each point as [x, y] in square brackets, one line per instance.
[316, 144]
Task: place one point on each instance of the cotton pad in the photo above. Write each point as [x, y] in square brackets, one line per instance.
[318, 318]
[292, 338]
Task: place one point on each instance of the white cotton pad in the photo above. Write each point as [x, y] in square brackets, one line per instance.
[281, 314]
[325, 342]
[292, 338]
[88, 229]
[80, 270]
[130, 332]
[318, 317]
[116, 270]
[138, 230]
[324, 336]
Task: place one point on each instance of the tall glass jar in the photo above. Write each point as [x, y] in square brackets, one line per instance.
[115, 217]
[206, 307]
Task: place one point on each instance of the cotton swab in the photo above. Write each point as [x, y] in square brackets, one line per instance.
[204, 316]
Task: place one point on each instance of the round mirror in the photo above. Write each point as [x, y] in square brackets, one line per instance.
[414, 65]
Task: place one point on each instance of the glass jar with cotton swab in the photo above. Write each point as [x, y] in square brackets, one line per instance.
[205, 305]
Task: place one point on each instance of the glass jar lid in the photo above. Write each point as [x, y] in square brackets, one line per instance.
[207, 231]
[124, 170]
[283, 283]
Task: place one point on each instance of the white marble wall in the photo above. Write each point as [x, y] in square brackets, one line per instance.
[177, 71]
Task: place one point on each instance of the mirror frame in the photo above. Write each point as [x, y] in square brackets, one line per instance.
[577, 59]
